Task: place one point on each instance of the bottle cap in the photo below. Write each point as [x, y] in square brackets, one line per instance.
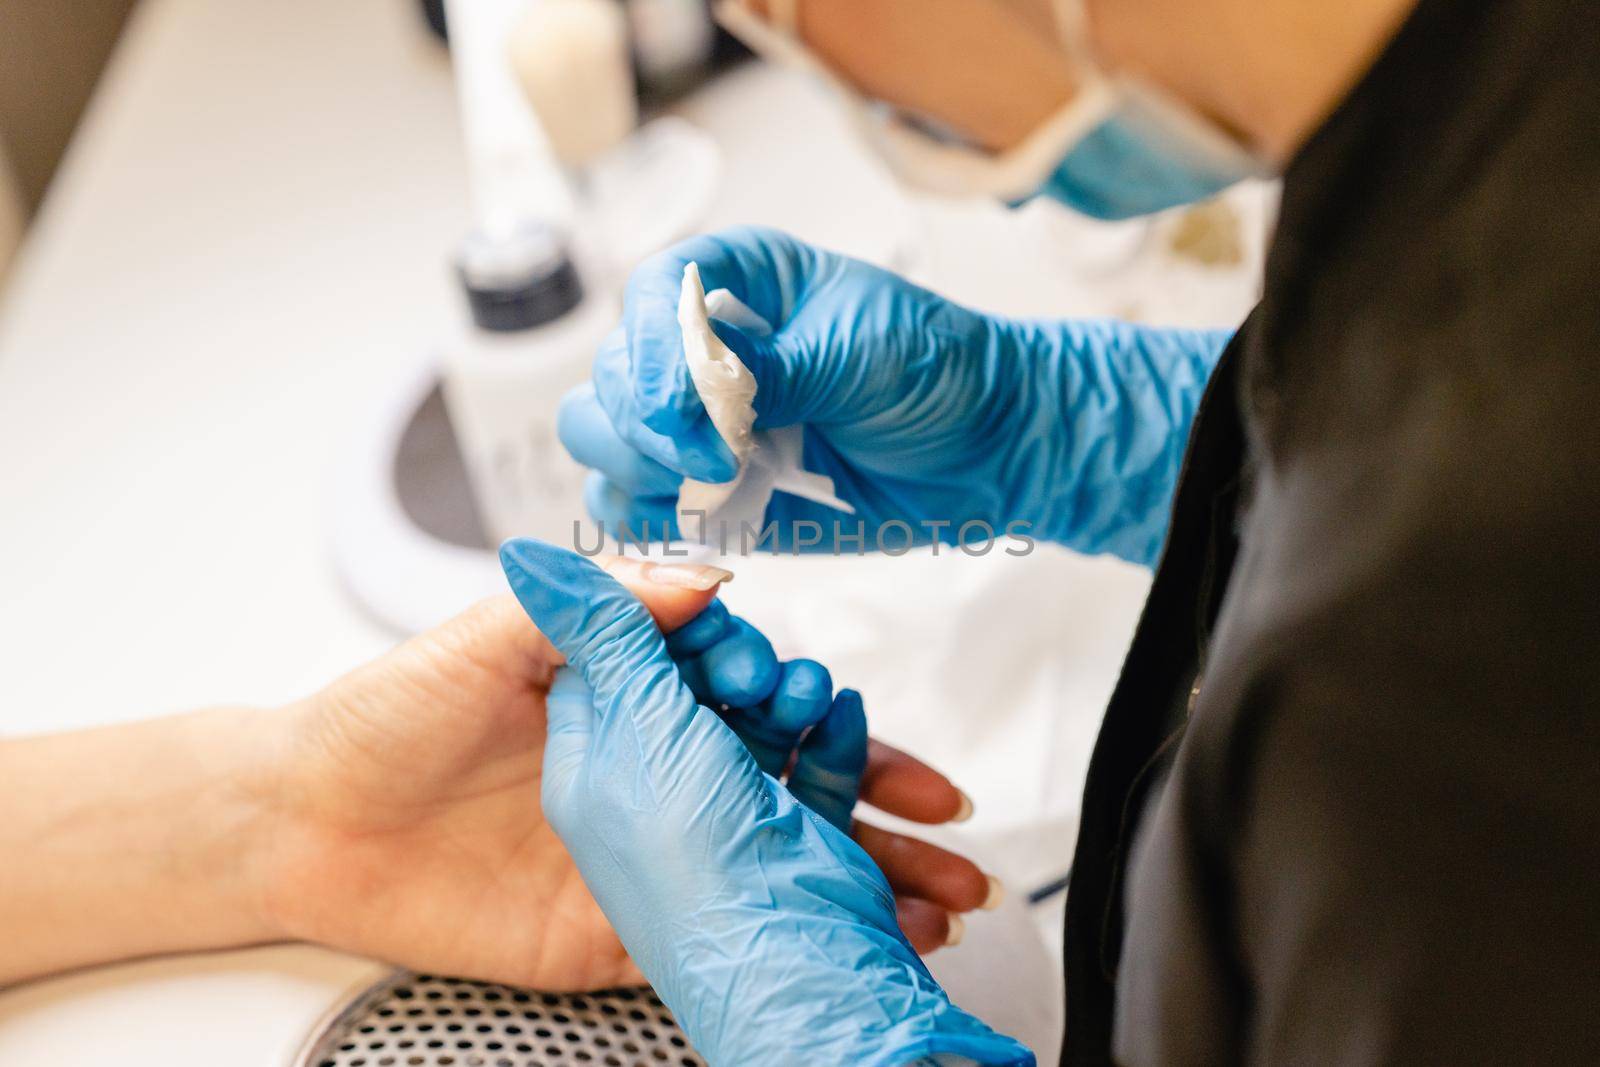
[518, 281]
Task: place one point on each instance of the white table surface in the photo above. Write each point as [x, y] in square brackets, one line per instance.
[254, 221]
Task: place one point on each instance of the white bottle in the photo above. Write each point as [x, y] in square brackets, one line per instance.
[533, 339]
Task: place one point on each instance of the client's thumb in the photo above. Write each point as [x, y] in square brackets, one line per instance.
[674, 593]
[604, 631]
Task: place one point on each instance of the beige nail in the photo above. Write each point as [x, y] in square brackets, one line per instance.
[697, 576]
[958, 930]
[997, 893]
[964, 812]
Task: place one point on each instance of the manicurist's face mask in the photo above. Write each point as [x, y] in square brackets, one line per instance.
[1115, 150]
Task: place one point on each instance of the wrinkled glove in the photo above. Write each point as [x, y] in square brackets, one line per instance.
[769, 933]
[924, 413]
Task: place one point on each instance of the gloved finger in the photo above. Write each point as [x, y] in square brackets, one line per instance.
[773, 728]
[694, 676]
[694, 448]
[902, 785]
[926, 925]
[634, 519]
[920, 869]
[606, 635]
[587, 434]
[761, 267]
[800, 376]
[740, 669]
[785, 394]
[569, 711]
[687, 643]
[827, 770]
[778, 402]
[701, 632]
[744, 660]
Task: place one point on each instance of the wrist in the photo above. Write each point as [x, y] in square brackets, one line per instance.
[1115, 400]
[220, 846]
[846, 1020]
[253, 796]
[960, 1040]
[288, 876]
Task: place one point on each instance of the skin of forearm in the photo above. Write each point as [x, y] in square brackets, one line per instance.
[127, 841]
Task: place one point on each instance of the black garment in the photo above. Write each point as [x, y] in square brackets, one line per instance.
[1374, 837]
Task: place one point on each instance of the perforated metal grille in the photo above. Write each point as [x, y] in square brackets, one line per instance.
[419, 1020]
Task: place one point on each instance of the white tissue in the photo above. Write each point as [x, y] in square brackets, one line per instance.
[769, 460]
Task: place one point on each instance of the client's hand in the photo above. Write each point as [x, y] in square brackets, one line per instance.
[411, 826]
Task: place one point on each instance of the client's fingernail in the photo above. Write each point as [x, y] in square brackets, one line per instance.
[997, 893]
[958, 930]
[964, 812]
[697, 576]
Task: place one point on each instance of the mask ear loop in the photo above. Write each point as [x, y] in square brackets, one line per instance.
[784, 15]
[1205, 144]
[1072, 24]
[911, 154]
[1072, 30]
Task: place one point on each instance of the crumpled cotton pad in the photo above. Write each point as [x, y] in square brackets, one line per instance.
[769, 460]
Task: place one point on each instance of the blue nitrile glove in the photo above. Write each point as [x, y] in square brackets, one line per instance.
[729, 664]
[920, 410]
[769, 933]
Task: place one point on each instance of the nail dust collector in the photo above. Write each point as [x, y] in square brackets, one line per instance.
[418, 1020]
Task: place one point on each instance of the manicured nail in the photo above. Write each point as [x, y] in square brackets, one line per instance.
[964, 812]
[997, 893]
[958, 930]
[696, 576]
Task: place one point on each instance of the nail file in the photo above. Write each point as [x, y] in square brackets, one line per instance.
[769, 460]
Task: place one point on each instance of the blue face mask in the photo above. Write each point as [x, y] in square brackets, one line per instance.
[1114, 151]
[1123, 168]
[1146, 153]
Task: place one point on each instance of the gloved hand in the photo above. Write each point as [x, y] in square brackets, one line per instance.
[922, 412]
[768, 932]
[787, 715]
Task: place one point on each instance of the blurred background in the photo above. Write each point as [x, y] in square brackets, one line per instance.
[51, 56]
[252, 431]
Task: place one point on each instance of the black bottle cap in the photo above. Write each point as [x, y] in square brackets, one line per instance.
[519, 281]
